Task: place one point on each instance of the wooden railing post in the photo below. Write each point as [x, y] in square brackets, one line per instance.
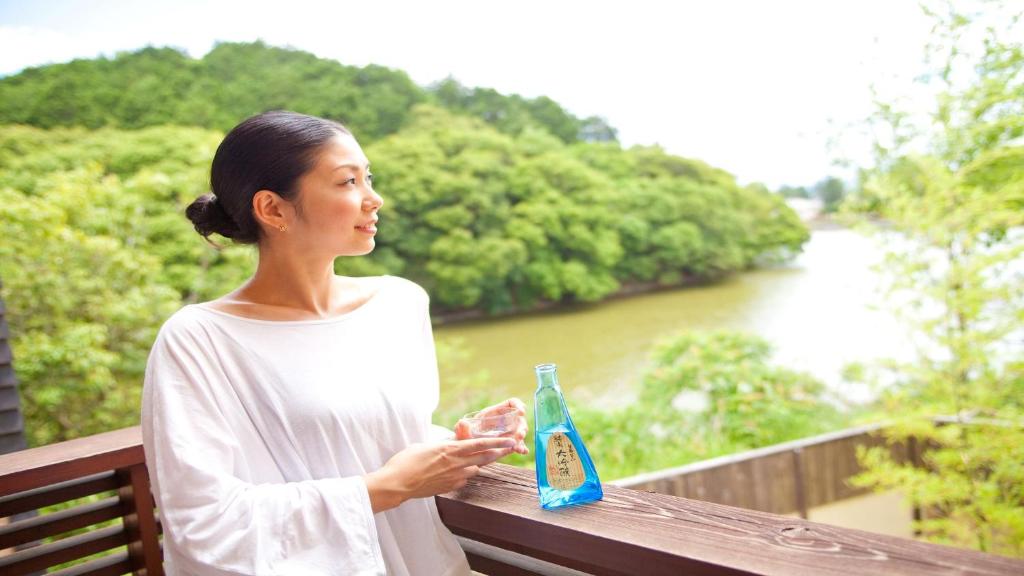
[139, 521]
[914, 457]
[798, 482]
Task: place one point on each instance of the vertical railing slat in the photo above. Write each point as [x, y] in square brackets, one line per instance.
[139, 521]
[798, 485]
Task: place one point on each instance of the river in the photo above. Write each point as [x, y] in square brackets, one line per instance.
[819, 311]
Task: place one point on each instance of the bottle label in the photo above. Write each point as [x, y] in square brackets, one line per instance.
[565, 471]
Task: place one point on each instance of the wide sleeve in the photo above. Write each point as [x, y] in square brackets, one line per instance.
[439, 433]
[436, 432]
[220, 524]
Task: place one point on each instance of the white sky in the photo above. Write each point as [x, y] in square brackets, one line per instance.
[756, 88]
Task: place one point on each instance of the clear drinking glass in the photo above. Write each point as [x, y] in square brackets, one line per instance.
[492, 422]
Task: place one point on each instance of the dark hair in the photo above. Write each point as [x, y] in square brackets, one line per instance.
[269, 151]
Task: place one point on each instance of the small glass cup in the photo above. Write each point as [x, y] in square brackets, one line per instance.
[493, 422]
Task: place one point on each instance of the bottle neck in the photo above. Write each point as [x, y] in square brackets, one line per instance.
[547, 376]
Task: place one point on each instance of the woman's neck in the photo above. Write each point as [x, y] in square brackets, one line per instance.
[287, 280]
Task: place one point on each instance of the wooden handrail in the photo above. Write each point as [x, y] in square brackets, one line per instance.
[58, 472]
[63, 461]
[633, 532]
[629, 532]
[720, 461]
[784, 478]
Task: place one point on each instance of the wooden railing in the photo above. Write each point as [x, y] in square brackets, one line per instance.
[786, 478]
[109, 465]
[496, 517]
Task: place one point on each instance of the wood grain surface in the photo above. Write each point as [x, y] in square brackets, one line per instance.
[634, 532]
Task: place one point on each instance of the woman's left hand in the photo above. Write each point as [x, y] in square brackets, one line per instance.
[462, 428]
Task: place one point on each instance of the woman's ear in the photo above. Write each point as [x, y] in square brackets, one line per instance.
[272, 212]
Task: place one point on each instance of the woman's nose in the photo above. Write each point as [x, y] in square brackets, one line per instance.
[373, 201]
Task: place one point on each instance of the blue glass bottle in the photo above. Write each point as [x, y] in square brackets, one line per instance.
[565, 472]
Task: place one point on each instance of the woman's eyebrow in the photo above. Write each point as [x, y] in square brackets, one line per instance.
[339, 167]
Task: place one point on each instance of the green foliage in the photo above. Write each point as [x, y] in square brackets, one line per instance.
[485, 220]
[514, 114]
[955, 217]
[95, 255]
[749, 402]
[155, 86]
[83, 308]
[831, 191]
[706, 395]
[955, 266]
[970, 486]
[794, 192]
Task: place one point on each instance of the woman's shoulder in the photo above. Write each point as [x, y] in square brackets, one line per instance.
[185, 324]
[403, 286]
[399, 297]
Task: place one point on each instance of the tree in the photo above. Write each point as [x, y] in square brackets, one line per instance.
[512, 114]
[155, 86]
[953, 197]
[83, 309]
[794, 192]
[831, 192]
[596, 129]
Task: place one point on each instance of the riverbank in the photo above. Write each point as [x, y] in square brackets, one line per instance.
[821, 222]
[817, 311]
[824, 222]
[626, 291]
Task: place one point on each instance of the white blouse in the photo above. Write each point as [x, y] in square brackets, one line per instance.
[257, 434]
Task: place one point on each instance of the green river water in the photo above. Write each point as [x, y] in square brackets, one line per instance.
[818, 311]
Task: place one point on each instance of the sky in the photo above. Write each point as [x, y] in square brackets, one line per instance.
[773, 92]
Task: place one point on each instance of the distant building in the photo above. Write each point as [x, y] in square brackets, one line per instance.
[806, 208]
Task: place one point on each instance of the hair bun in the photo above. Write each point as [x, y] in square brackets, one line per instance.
[208, 216]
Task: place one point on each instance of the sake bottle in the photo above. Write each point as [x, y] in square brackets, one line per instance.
[565, 472]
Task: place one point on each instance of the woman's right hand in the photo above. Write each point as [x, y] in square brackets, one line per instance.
[423, 470]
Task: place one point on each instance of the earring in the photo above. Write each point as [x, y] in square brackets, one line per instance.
[282, 227]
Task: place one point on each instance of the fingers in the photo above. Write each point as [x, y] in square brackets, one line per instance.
[487, 456]
[514, 403]
[462, 430]
[517, 404]
[523, 427]
[520, 437]
[471, 446]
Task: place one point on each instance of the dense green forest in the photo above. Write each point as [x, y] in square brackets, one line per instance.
[494, 204]
[156, 86]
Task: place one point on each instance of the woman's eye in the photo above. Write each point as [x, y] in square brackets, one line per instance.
[369, 178]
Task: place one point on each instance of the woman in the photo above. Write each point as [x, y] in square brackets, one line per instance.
[286, 425]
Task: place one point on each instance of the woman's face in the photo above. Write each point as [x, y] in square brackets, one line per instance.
[338, 206]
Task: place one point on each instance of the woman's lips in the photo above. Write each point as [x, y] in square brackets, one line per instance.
[369, 228]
